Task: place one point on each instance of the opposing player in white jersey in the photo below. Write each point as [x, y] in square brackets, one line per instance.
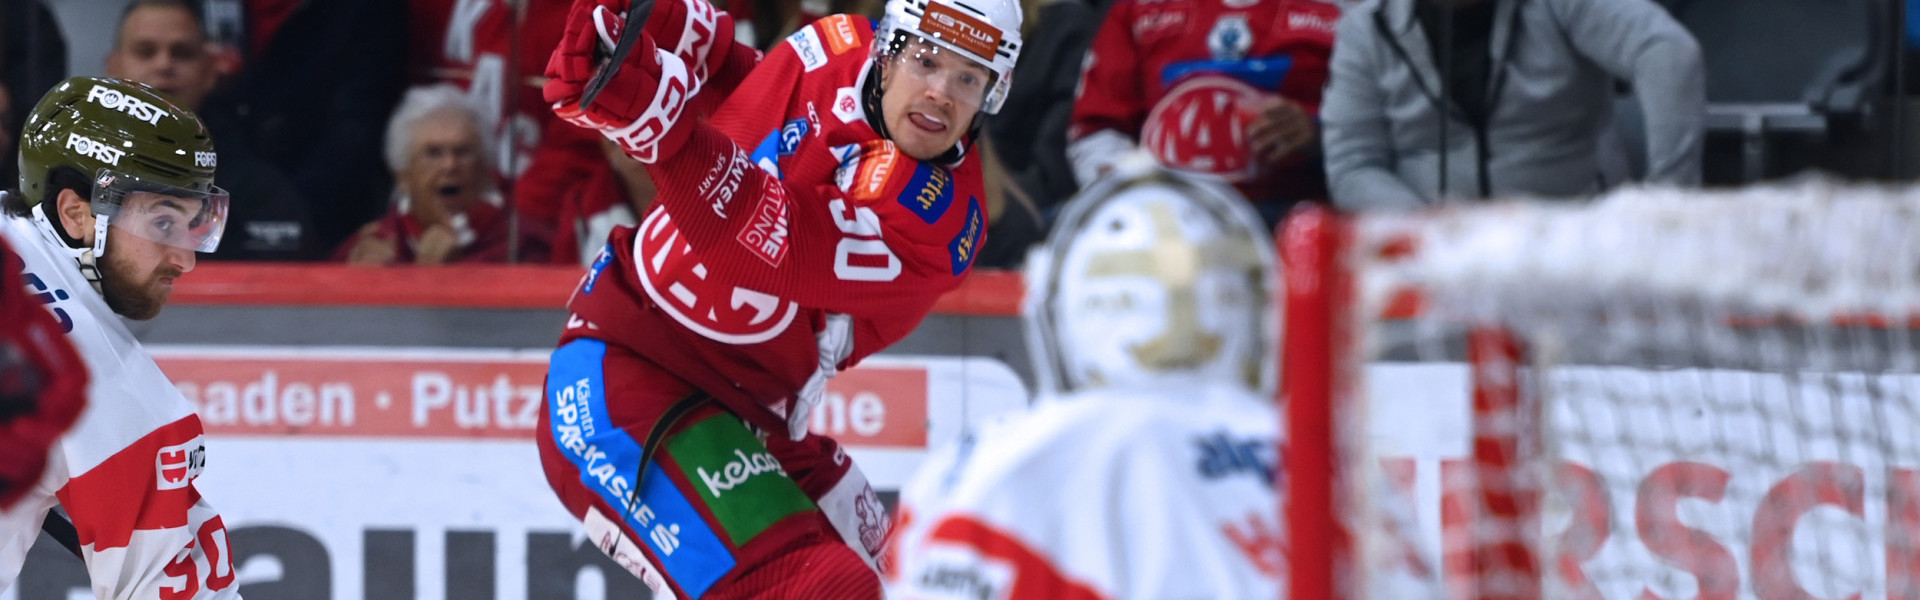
[1146, 467]
[116, 194]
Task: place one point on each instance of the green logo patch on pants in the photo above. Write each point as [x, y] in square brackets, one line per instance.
[737, 476]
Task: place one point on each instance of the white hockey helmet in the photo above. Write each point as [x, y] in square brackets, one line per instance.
[1154, 277]
[983, 31]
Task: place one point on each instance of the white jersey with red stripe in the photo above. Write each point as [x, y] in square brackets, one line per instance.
[1131, 493]
[125, 472]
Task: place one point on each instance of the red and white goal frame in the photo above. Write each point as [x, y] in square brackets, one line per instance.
[1660, 395]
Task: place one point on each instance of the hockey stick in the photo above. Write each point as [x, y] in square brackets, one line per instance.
[655, 436]
[61, 530]
[636, 20]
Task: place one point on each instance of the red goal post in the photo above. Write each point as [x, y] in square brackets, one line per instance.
[1665, 394]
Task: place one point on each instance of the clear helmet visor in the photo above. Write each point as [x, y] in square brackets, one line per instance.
[954, 75]
[167, 214]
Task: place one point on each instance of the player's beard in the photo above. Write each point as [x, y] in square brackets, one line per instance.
[129, 294]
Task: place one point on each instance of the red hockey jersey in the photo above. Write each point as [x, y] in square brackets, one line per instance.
[498, 57]
[730, 280]
[1147, 49]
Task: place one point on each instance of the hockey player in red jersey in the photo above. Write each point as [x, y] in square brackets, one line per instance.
[1226, 87]
[813, 204]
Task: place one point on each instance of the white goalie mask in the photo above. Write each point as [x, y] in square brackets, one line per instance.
[1153, 278]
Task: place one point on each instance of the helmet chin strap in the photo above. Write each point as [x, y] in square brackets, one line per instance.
[100, 235]
[85, 257]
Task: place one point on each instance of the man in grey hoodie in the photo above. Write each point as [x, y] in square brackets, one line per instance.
[1526, 88]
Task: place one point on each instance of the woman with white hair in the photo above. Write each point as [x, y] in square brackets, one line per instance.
[446, 206]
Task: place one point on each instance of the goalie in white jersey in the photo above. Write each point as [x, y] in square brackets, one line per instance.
[1146, 468]
[116, 194]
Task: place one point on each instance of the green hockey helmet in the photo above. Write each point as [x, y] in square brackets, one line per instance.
[128, 140]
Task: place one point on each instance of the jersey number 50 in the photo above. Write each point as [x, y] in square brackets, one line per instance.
[875, 262]
[213, 542]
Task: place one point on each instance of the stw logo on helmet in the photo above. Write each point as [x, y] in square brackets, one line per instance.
[961, 30]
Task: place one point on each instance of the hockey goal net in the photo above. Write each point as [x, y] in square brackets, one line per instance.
[1657, 395]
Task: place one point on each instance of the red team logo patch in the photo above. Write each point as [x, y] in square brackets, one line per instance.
[175, 466]
[676, 281]
[846, 105]
[1201, 126]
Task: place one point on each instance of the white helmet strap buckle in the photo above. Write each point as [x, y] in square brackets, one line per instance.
[100, 235]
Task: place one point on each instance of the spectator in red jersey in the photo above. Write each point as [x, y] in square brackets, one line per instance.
[316, 82]
[445, 207]
[495, 51]
[1224, 87]
[581, 201]
[163, 43]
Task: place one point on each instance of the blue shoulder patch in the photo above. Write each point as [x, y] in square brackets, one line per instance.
[600, 263]
[609, 462]
[966, 246]
[929, 192]
[790, 136]
[766, 157]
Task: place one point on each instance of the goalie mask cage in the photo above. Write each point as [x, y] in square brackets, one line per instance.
[1657, 395]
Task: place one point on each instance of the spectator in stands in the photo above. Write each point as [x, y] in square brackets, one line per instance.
[1013, 215]
[163, 43]
[33, 57]
[591, 199]
[1527, 96]
[1029, 135]
[1223, 87]
[316, 83]
[495, 50]
[8, 132]
[445, 206]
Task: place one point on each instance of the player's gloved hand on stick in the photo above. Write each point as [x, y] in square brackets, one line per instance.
[691, 29]
[644, 101]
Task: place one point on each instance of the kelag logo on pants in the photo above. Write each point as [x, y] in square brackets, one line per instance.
[736, 476]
